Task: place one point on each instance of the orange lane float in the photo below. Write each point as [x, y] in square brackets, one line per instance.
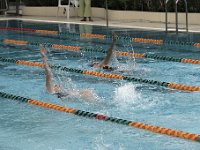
[47, 32]
[100, 74]
[184, 87]
[197, 45]
[191, 61]
[96, 36]
[28, 63]
[167, 131]
[17, 42]
[66, 47]
[51, 106]
[129, 54]
[143, 40]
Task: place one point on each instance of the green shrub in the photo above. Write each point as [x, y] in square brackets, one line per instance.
[139, 5]
[41, 2]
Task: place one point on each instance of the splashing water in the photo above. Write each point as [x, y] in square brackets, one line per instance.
[63, 79]
[129, 65]
[126, 95]
[67, 86]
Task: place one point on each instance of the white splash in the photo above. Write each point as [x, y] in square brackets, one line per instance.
[126, 95]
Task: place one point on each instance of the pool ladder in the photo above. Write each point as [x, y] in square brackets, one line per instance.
[176, 11]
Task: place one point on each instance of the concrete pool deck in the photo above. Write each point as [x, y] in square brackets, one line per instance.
[139, 24]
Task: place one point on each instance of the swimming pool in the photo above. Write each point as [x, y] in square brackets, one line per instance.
[25, 126]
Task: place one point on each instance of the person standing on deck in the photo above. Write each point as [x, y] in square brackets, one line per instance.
[85, 10]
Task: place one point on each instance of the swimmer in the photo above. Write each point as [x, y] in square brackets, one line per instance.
[105, 63]
[56, 89]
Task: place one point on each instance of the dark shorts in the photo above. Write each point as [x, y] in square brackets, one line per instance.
[108, 68]
[61, 95]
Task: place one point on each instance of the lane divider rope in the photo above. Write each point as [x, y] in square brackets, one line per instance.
[144, 40]
[102, 36]
[107, 75]
[81, 113]
[119, 53]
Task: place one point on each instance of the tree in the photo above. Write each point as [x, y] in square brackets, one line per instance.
[139, 5]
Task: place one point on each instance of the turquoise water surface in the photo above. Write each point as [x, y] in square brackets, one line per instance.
[23, 126]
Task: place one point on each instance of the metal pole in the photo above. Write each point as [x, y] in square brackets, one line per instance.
[17, 6]
[176, 9]
[3, 6]
[6, 4]
[166, 16]
[186, 11]
[107, 13]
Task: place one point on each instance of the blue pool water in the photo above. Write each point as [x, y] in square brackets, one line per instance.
[23, 126]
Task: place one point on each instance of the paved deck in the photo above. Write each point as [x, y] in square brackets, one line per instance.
[141, 24]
